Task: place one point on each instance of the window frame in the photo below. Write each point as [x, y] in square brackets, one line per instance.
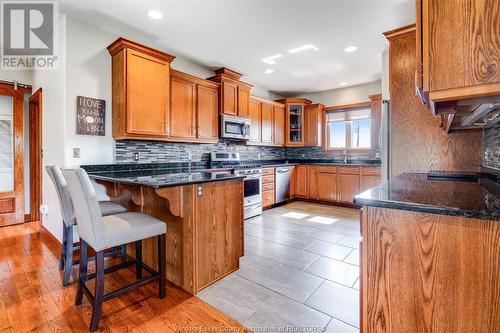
[342, 108]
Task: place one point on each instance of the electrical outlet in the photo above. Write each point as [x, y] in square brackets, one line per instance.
[44, 209]
[76, 152]
[136, 156]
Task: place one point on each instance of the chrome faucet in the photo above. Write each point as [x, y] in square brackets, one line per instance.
[345, 155]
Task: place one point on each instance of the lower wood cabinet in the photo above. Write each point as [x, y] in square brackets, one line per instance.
[301, 181]
[333, 183]
[326, 180]
[268, 188]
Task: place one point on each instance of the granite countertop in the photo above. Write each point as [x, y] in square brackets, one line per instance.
[354, 163]
[159, 178]
[477, 197]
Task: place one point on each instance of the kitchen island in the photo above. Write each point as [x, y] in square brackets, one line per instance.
[430, 254]
[203, 212]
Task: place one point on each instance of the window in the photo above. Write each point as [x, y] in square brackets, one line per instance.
[349, 128]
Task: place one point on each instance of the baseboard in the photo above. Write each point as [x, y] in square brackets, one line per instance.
[46, 231]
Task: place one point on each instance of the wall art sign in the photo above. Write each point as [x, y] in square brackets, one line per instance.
[90, 116]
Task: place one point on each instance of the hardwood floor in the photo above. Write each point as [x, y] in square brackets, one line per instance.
[32, 297]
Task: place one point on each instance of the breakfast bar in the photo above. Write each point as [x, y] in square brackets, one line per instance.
[203, 212]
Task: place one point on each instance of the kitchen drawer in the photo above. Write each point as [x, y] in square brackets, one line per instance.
[268, 179]
[326, 169]
[370, 171]
[348, 170]
[267, 171]
[268, 198]
[268, 187]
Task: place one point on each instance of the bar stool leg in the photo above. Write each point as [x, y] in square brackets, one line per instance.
[68, 262]
[63, 249]
[123, 253]
[138, 259]
[99, 291]
[162, 265]
[82, 275]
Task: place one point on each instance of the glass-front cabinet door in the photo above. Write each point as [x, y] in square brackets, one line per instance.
[295, 124]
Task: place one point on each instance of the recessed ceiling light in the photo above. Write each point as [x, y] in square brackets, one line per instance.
[272, 59]
[269, 70]
[350, 49]
[154, 14]
[303, 48]
[343, 83]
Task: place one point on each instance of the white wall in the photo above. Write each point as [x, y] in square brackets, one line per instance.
[346, 95]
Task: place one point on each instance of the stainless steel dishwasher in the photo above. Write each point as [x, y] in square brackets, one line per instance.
[282, 183]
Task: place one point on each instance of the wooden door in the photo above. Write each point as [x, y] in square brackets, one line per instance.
[182, 108]
[301, 188]
[229, 94]
[348, 187]
[254, 113]
[35, 154]
[147, 94]
[11, 155]
[327, 183]
[207, 113]
[267, 123]
[313, 116]
[279, 126]
[243, 101]
[313, 182]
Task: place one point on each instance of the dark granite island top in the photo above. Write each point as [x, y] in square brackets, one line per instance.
[476, 198]
[161, 178]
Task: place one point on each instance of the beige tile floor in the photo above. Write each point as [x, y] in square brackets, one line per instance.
[300, 269]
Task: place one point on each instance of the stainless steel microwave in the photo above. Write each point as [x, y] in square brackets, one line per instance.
[236, 128]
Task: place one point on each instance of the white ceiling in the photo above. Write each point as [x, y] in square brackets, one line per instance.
[239, 33]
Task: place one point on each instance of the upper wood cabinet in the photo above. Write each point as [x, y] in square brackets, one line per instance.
[313, 125]
[234, 95]
[294, 120]
[193, 109]
[255, 116]
[267, 121]
[458, 50]
[140, 88]
[279, 124]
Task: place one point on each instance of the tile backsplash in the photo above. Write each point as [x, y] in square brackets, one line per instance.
[164, 152]
[491, 142]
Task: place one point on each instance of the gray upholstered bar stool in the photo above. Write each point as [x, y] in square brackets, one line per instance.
[66, 261]
[102, 233]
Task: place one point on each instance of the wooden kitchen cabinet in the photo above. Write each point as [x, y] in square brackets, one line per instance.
[313, 125]
[294, 120]
[255, 116]
[348, 183]
[301, 181]
[313, 182]
[457, 49]
[140, 88]
[234, 95]
[327, 183]
[243, 100]
[194, 109]
[268, 187]
[278, 125]
[369, 177]
[182, 108]
[207, 112]
[267, 123]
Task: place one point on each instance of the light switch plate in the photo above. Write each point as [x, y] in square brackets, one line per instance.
[76, 152]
